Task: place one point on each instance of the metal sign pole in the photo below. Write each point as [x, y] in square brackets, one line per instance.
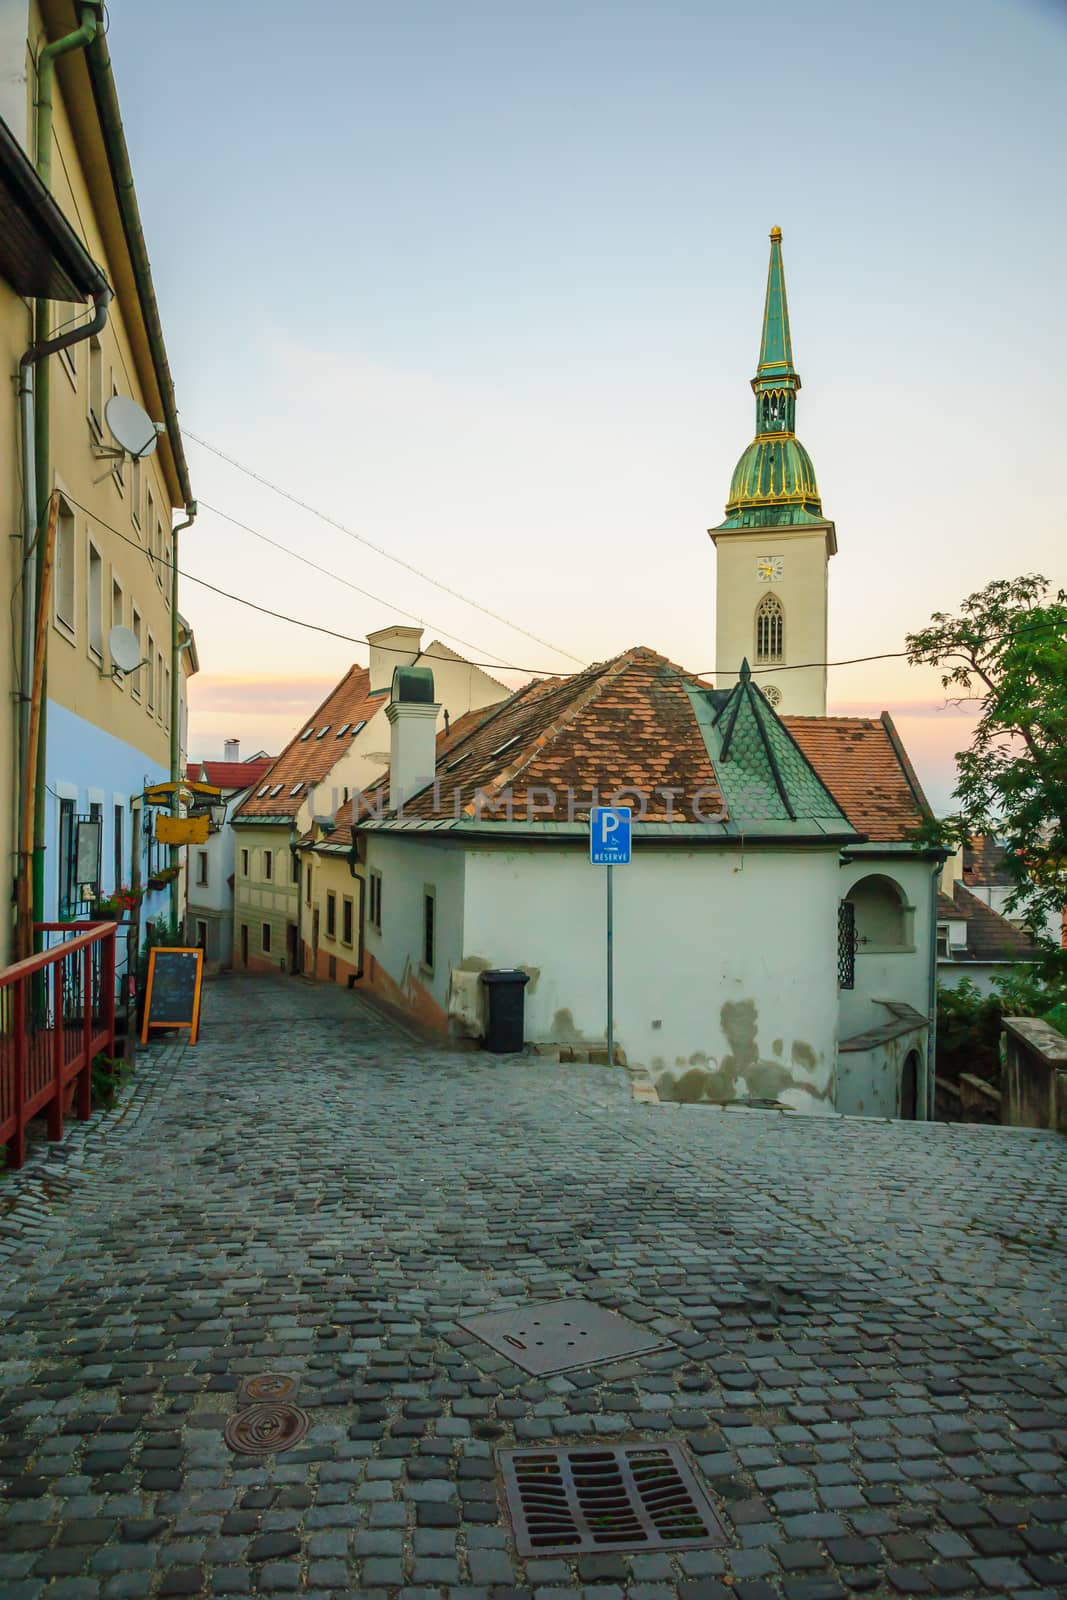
[611, 979]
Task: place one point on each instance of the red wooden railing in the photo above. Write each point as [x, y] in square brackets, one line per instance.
[57, 1012]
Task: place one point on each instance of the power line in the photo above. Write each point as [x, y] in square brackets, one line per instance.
[679, 675]
[360, 538]
[298, 622]
[336, 576]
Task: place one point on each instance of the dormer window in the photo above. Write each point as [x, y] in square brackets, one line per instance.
[507, 745]
[357, 727]
[306, 734]
[323, 732]
[296, 788]
[278, 787]
[261, 792]
[343, 730]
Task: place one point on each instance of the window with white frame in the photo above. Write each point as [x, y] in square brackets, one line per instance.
[135, 624]
[95, 601]
[65, 568]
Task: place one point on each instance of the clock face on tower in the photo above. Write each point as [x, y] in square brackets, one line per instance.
[769, 568]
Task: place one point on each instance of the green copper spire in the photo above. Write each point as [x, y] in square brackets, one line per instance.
[774, 482]
[776, 347]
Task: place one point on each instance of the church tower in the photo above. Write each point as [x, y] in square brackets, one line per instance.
[773, 550]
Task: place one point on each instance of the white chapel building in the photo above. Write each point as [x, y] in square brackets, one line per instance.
[775, 931]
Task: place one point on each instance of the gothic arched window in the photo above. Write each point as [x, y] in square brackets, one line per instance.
[770, 629]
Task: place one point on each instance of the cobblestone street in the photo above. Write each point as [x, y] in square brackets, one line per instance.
[867, 1327]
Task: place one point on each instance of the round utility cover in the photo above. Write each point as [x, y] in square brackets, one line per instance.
[133, 428]
[123, 649]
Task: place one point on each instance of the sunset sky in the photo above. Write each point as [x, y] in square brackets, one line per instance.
[483, 282]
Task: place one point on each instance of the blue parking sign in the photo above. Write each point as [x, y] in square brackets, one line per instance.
[609, 836]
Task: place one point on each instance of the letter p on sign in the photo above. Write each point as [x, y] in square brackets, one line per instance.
[609, 836]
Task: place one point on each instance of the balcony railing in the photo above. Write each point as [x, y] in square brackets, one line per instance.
[57, 1013]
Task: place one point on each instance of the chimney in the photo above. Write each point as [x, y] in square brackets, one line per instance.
[952, 872]
[412, 713]
[231, 750]
[391, 648]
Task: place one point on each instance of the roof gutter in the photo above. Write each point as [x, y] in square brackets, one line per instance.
[102, 78]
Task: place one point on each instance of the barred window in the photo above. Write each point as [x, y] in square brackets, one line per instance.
[770, 629]
[846, 945]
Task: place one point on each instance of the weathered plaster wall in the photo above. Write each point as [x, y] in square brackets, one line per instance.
[725, 964]
[869, 1081]
[394, 965]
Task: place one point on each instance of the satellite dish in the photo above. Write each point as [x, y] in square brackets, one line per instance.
[131, 427]
[124, 650]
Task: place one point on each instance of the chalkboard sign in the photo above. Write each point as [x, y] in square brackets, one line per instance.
[172, 993]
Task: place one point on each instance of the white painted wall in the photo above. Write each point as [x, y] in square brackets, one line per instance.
[694, 930]
[802, 591]
[903, 975]
[408, 869]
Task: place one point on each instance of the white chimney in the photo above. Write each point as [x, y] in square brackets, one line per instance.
[231, 750]
[390, 648]
[412, 713]
[952, 872]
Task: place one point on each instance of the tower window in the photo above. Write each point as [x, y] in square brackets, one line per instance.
[770, 629]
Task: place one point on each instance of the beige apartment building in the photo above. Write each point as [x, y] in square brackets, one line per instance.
[107, 732]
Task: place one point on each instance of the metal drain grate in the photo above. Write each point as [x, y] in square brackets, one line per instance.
[623, 1497]
[561, 1335]
[265, 1427]
[266, 1386]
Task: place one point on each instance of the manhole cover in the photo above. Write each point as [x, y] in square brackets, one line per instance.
[266, 1426]
[624, 1497]
[561, 1335]
[266, 1386]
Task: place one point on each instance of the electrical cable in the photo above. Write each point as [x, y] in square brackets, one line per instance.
[360, 538]
[314, 565]
[537, 672]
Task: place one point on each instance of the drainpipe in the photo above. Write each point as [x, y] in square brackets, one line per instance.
[175, 697]
[931, 1034]
[42, 478]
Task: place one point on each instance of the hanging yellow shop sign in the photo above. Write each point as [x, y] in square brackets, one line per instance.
[181, 830]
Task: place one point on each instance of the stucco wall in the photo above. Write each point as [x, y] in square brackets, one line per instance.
[803, 594]
[393, 958]
[15, 335]
[259, 901]
[725, 964]
[902, 975]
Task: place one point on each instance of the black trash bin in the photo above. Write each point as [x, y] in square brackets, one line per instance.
[507, 1010]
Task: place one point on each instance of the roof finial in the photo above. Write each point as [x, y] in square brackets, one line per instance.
[746, 671]
[776, 235]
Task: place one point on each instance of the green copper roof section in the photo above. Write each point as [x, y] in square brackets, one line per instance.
[762, 771]
[774, 483]
[776, 347]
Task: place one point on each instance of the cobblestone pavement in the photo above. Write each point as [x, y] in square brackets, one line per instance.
[866, 1327]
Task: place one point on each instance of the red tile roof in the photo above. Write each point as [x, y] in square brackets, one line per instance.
[866, 771]
[314, 751]
[229, 774]
[629, 724]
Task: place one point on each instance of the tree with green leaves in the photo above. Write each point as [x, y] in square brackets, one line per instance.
[1006, 651]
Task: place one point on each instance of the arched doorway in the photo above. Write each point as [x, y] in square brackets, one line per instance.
[909, 1087]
